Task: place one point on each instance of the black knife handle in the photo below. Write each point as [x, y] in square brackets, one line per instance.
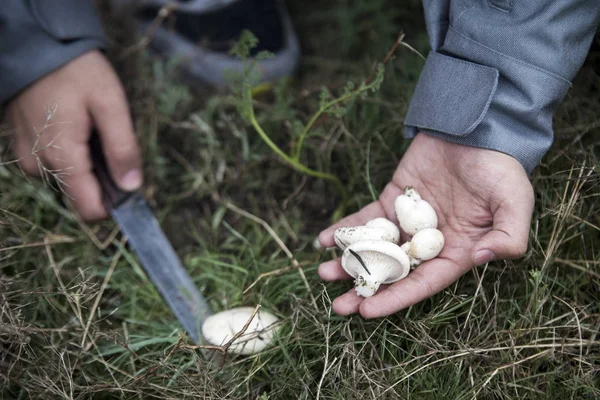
[112, 195]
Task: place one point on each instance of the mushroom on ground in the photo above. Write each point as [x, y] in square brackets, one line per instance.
[375, 229]
[425, 245]
[373, 263]
[220, 328]
[414, 213]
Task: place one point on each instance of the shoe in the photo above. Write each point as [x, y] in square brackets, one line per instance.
[202, 32]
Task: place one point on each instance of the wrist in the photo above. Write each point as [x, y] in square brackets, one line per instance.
[49, 37]
[507, 108]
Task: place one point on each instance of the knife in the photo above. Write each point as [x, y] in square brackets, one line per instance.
[133, 215]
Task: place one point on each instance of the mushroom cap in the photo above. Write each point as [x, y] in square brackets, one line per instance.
[403, 205]
[383, 259]
[375, 229]
[383, 223]
[220, 328]
[426, 244]
[414, 215]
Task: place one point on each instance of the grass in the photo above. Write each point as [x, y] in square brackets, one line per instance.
[526, 329]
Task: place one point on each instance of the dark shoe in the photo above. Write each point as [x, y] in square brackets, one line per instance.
[202, 32]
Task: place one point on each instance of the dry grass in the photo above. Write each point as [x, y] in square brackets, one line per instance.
[79, 319]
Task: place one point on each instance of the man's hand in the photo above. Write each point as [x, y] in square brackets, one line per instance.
[86, 93]
[484, 202]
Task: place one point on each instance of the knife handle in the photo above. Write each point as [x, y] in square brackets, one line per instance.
[112, 196]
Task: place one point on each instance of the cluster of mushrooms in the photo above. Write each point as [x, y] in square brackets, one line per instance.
[372, 254]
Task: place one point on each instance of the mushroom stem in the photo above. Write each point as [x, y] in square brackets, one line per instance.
[367, 286]
[373, 263]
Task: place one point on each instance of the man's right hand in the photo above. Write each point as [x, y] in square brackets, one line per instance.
[483, 200]
[85, 93]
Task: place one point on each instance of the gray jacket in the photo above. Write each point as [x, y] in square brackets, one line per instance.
[497, 71]
[39, 36]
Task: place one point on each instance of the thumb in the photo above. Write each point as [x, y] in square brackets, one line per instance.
[111, 117]
[510, 233]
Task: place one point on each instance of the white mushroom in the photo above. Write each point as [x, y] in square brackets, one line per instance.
[375, 229]
[425, 245]
[373, 263]
[220, 328]
[413, 261]
[414, 213]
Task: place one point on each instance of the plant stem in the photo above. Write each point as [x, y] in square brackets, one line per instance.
[366, 85]
[294, 163]
[311, 122]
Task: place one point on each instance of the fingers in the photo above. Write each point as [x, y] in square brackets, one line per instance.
[332, 271]
[71, 161]
[422, 283]
[24, 144]
[62, 149]
[85, 193]
[111, 116]
[23, 151]
[55, 112]
[348, 303]
[510, 233]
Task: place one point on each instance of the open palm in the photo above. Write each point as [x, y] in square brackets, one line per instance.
[483, 200]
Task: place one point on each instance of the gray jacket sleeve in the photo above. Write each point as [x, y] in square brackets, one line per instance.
[498, 70]
[39, 36]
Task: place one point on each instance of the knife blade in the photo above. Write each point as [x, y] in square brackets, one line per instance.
[156, 254]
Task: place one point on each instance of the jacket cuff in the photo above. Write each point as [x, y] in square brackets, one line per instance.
[38, 37]
[473, 95]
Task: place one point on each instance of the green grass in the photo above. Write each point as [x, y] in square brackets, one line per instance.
[526, 329]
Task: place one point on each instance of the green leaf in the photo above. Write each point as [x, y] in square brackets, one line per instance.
[244, 45]
[324, 97]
